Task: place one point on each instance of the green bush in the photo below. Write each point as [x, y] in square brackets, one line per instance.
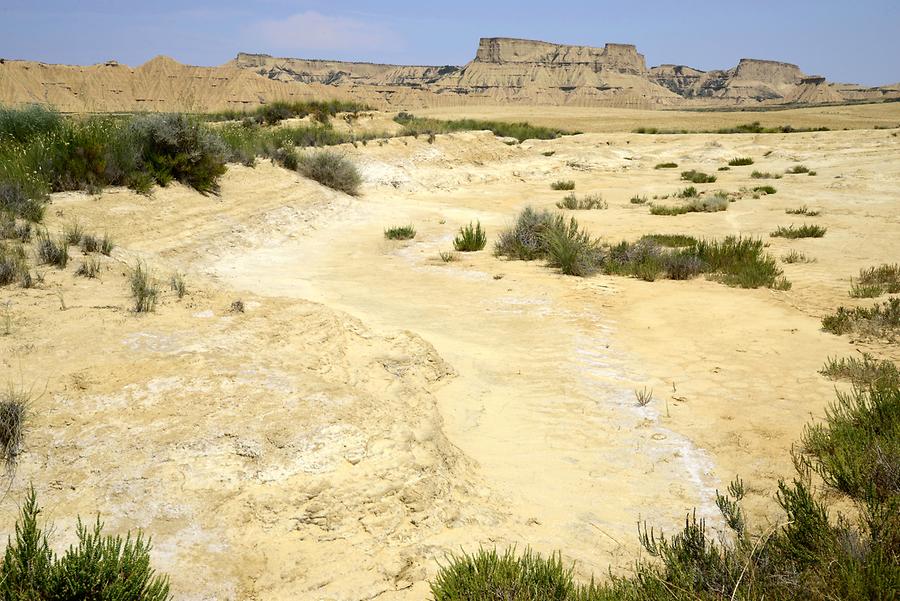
[97, 568]
[875, 281]
[689, 192]
[764, 190]
[697, 177]
[740, 162]
[470, 238]
[712, 204]
[802, 210]
[638, 199]
[526, 239]
[331, 169]
[563, 185]
[403, 232]
[671, 240]
[861, 372]
[765, 175]
[666, 166]
[572, 250]
[804, 231]
[881, 320]
[798, 169]
[275, 112]
[586, 203]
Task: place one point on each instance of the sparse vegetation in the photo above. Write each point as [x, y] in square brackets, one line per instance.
[745, 128]
[697, 177]
[13, 264]
[89, 268]
[666, 166]
[795, 256]
[638, 199]
[671, 240]
[711, 204]
[804, 231]
[14, 406]
[798, 169]
[880, 321]
[643, 396]
[331, 169]
[73, 234]
[764, 175]
[740, 161]
[401, 232]
[875, 281]
[97, 567]
[548, 153]
[52, 252]
[585, 203]
[276, 112]
[470, 238]
[863, 371]
[177, 284]
[543, 235]
[448, 256]
[414, 126]
[764, 190]
[802, 210]
[689, 192]
[563, 185]
[144, 289]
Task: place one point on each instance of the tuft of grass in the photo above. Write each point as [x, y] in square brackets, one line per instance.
[586, 203]
[563, 185]
[711, 204]
[237, 306]
[14, 406]
[802, 210]
[548, 153]
[448, 256]
[543, 235]
[880, 321]
[764, 190]
[73, 234]
[804, 231]
[638, 199]
[643, 396]
[89, 268]
[13, 264]
[875, 281]
[470, 238]
[106, 245]
[740, 161]
[764, 175]
[400, 232]
[671, 240]
[798, 169]
[176, 283]
[144, 289]
[689, 192]
[863, 371]
[666, 166]
[331, 169]
[525, 240]
[52, 252]
[697, 177]
[795, 256]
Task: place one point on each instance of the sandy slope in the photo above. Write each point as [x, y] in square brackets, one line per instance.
[374, 407]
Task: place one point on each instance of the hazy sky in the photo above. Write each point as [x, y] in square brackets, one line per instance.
[844, 41]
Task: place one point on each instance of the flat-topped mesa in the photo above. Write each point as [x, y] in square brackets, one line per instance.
[618, 57]
[768, 71]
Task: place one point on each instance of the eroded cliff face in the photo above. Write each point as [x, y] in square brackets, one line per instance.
[503, 70]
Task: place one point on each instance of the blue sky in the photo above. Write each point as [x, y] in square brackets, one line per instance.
[845, 41]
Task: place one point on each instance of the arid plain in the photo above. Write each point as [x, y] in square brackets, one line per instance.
[372, 408]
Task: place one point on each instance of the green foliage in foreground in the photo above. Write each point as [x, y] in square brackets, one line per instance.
[98, 568]
[413, 126]
[586, 203]
[276, 112]
[879, 321]
[401, 232]
[812, 552]
[470, 239]
[875, 281]
[804, 231]
[331, 169]
[740, 161]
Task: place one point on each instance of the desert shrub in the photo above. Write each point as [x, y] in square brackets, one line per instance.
[24, 124]
[52, 252]
[711, 204]
[795, 256]
[863, 371]
[765, 175]
[740, 161]
[875, 281]
[176, 283]
[402, 232]
[331, 169]
[448, 256]
[73, 233]
[414, 126]
[14, 405]
[697, 177]
[275, 112]
[671, 240]
[740, 262]
[563, 185]
[470, 238]
[683, 265]
[804, 231]
[644, 260]
[689, 192]
[798, 169]
[802, 210]
[881, 320]
[585, 203]
[97, 568]
[666, 166]
[89, 268]
[638, 199]
[106, 245]
[548, 153]
[144, 288]
[570, 249]
[13, 264]
[724, 168]
[525, 240]
[764, 190]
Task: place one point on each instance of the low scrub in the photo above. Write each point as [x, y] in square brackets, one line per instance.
[802, 210]
[89, 268]
[13, 263]
[796, 169]
[740, 161]
[666, 166]
[671, 240]
[97, 567]
[765, 175]
[470, 238]
[705, 204]
[401, 232]
[638, 199]
[331, 169]
[543, 235]
[795, 256]
[879, 321]
[563, 185]
[697, 177]
[689, 192]
[875, 281]
[414, 126]
[804, 231]
[865, 370]
[765, 190]
[585, 203]
[144, 289]
[14, 406]
[51, 251]
[276, 112]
